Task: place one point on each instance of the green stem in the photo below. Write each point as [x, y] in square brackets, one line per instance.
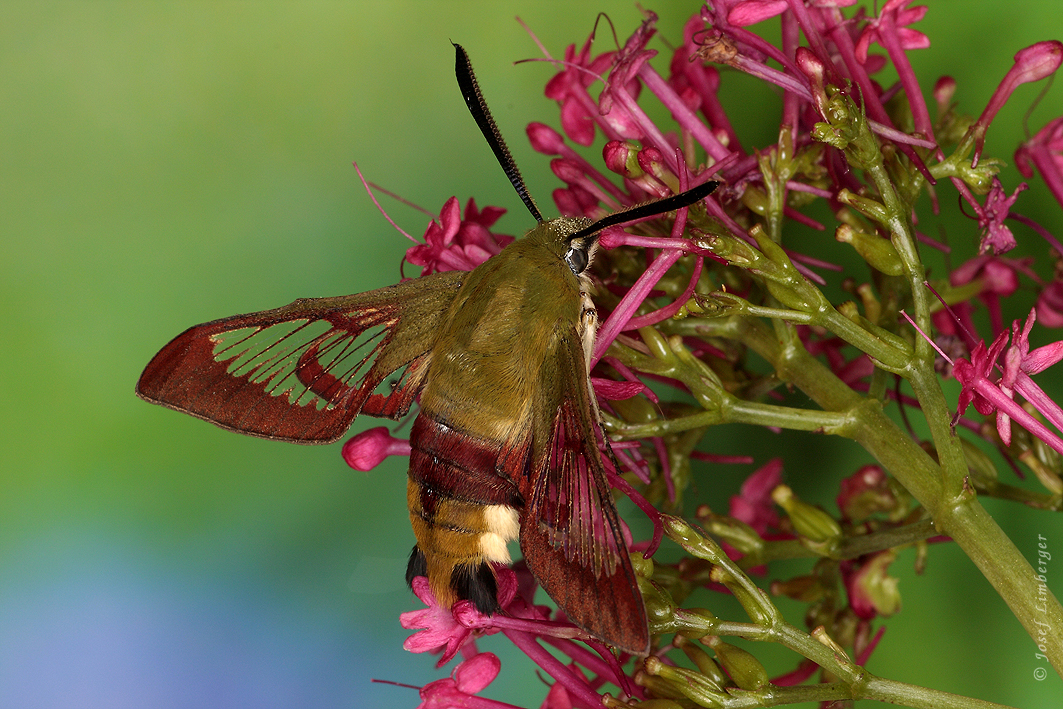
[768, 626]
[848, 548]
[921, 375]
[734, 410]
[1030, 498]
[961, 517]
[891, 692]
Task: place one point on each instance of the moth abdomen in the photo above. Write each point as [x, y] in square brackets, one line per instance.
[476, 583]
[467, 581]
[416, 566]
[462, 511]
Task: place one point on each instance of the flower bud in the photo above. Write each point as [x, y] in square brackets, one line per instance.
[744, 669]
[810, 522]
[652, 163]
[694, 685]
[637, 409]
[944, 90]
[756, 200]
[864, 493]
[735, 532]
[366, 450]
[649, 704]
[705, 664]
[642, 566]
[660, 608]
[878, 252]
[815, 72]
[871, 590]
[823, 637]
[1031, 64]
[622, 158]
[807, 589]
[867, 206]
[978, 463]
[657, 687]
[1038, 61]
[733, 251]
[545, 139]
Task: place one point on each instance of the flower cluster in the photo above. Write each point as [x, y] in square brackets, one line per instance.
[690, 325]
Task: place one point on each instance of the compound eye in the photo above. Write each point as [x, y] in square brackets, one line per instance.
[576, 258]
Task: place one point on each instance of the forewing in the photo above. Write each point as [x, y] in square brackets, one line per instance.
[571, 535]
[303, 372]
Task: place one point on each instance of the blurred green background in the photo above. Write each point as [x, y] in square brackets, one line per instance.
[168, 163]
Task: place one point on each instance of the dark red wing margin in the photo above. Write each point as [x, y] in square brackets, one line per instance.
[302, 373]
[570, 534]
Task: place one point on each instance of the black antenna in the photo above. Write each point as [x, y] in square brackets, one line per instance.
[649, 209]
[480, 113]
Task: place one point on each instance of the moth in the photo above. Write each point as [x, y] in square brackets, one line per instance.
[505, 446]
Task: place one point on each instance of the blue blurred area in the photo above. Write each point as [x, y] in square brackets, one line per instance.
[97, 623]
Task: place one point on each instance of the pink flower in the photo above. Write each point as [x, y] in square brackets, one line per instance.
[754, 505]
[369, 448]
[569, 88]
[467, 680]
[894, 18]
[995, 236]
[450, 628]
[1045, 152]
[1019, 362]
[612, 390]
[751, 12]
[454, 244]
[1050, 304]
[872, 591]
[999, 277]
[991, 396]
[864, 493]
[978, 369]
[439, 628]
[988, 396]
[557, 698]
[1031, 64]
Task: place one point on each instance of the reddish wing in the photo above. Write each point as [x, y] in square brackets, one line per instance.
[302, 373]
[570, 534]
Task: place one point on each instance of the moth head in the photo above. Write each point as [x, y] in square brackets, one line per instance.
[578, 245]
[580, 253]
[567, 239]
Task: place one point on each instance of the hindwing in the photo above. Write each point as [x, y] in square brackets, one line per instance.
[570, 534]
